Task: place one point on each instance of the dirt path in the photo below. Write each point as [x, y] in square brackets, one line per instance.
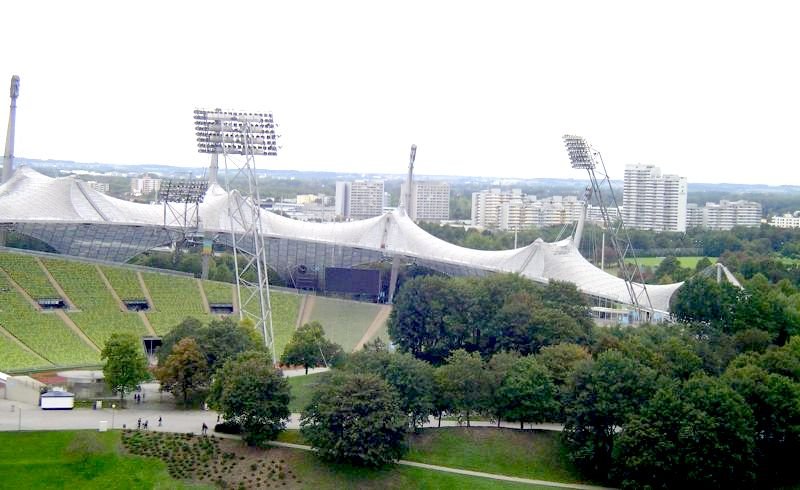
[203, 296]
[56, 285]
[308, 309]
[145, 290]
[147, 325]
[68, 321]
[379, 320]
[459, 471]
[22, 346]
[111, 289]
[301, 311]
[21, 291]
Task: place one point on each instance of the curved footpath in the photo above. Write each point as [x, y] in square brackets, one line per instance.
[19, 416]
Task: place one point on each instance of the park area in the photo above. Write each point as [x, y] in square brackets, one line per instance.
[139, 459]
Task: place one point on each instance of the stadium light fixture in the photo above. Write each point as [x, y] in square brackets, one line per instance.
[183, 191]
[580, 152]
[246, 134]
[235, 133]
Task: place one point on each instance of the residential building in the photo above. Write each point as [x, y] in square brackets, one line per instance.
[359, 199]
[103, 187]
[786, 221]
[145, 185]
[724, 215]
[430, 201]
[514, 210]
[652, 201]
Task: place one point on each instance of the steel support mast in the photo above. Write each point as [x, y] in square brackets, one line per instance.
[583, 156]
[239, 137]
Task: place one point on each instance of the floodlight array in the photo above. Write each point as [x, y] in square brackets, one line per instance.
[184, 191]
[227, 132]
[579, 151]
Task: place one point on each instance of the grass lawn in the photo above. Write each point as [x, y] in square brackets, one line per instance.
[88, 459]
[688, 262]
[302, 388]
[344, 322]
[527, 454]
[82, 459]
[538, 455]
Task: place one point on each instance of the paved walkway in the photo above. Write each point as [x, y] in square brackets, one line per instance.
[479, 474]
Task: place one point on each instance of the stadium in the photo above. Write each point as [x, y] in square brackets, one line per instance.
[80, 222]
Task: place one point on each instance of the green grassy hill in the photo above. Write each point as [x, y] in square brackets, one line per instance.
[31, 338]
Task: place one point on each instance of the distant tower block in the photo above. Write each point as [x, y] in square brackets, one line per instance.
[8, 157]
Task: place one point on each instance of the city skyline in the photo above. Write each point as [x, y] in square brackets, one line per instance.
[703, 91]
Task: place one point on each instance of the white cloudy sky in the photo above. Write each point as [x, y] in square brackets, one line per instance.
[709, 90]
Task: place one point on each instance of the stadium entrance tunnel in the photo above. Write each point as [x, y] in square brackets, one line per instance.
[51, 303]
[151, 346]
[137, 305]
[221, 308]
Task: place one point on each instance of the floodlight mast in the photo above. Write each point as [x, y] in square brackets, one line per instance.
[583, 156]
[245, 134]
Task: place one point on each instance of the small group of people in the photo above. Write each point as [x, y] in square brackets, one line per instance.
[143, 425]
[138, 397]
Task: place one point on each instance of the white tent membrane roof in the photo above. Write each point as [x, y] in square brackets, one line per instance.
[32, 197]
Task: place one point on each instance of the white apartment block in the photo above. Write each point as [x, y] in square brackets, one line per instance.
[724, 215]
[144, 185]
[98, 186]
[359, 199]
[786, 221]
[430, 201]
[652, 201]
[513, 210]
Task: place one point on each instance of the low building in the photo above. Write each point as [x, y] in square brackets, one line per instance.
[786, 221]
[724, 215]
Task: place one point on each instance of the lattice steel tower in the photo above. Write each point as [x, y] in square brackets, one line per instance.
[583, 156]
[239, 137]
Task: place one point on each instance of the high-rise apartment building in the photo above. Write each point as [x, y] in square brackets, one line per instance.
[430, 201]
[652, 201]
[723, 215]
[359, 199]
[145, 185]
[514, 210]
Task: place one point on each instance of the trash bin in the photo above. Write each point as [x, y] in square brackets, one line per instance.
[103, 426]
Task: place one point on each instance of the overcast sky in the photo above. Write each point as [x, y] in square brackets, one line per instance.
[708, 90]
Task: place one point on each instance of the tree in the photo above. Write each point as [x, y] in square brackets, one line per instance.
[464, 383]
[411, 378]
[497, 370]
[125, 365]
[702, 264]
[775, 402]
[185, 371]
[308, 347]
[528, 393]
[189, 327]
[698, 434]
[561, 359]
[355, 418]
[220, 340]
[250, 392]
[600, 397]
[224, 339]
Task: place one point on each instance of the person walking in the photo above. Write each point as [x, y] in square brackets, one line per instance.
[204, 430]
[159, 420]
[139, 424]
[145, 424]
